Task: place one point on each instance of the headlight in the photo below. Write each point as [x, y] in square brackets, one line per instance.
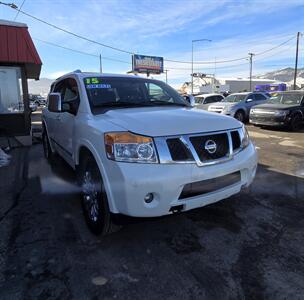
[245, 140]
[228, 108]
[281, 112]
[129, 147]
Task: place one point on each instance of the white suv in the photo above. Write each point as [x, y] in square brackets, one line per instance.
[140, 149]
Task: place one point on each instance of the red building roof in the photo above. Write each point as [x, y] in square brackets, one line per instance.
[16, 47]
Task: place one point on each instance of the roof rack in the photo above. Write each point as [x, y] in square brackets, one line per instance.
[76, 71]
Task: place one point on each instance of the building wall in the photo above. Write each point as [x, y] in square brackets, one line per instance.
[15, 122]
[244, 85]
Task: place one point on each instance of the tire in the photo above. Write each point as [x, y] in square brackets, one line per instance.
[94, 199]
[240, 116]
[48, 154]
[296, 122]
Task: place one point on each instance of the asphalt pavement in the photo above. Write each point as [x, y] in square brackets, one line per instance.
[249, 246]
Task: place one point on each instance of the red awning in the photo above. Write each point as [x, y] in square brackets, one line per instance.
[16, 47]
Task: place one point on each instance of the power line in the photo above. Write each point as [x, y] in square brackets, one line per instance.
[13, 6]
[263, 52]
[234, 65]
[81, 52]
[19, 10]
[233, 60]
[278, 37]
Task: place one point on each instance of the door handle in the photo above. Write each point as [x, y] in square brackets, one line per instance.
[58, 118]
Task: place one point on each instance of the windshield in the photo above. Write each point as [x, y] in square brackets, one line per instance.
[234, 98]
[286, 99]
[128, 92]
[199, 100]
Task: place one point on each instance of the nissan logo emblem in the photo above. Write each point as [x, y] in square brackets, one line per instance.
[210, 146]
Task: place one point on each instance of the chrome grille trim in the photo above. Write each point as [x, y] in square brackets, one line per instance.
[165, 155]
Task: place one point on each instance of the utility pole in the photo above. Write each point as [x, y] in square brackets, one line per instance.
[250, 72]
[296, 63]
[166, 71]
[194, 41]
[192, 70]
[100, 63]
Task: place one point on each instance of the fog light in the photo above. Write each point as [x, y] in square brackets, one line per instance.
[149, 198]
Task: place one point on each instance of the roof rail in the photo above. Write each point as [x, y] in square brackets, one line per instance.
[76, 71]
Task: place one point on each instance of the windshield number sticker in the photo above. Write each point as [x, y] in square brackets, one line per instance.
[92, 80]
[99, 86]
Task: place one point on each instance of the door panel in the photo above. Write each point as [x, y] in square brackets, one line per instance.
[65, 125]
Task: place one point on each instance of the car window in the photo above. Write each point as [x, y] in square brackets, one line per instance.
[210, 99]
[71, 90]
[260, 97]
[251, 96]
[219, 98]
[156, 93]
[59, 88]
[199, 100]
[235, 98]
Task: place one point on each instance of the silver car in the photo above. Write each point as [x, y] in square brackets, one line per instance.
[238, 105]
[203, 101]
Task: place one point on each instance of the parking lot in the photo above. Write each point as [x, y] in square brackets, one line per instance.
[248, 246]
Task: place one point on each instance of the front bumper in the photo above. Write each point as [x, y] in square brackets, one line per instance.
[269, 120]
[130, 183]
[223, 112]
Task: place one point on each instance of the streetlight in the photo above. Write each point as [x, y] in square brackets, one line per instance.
[195, 41]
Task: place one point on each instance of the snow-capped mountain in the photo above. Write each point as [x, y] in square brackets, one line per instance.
[284, 75]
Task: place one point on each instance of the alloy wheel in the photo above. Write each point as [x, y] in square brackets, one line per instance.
[90, 196]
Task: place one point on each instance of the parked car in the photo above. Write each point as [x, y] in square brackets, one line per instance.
[283, 109]
[203, 101]
[238, 105]
[140, 150]
[33, 106]
[37, 99]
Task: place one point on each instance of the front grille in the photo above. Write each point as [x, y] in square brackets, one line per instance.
[236, 141]
[178, 150]
[200, 142]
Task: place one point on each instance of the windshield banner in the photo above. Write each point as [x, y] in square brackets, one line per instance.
[147, 64]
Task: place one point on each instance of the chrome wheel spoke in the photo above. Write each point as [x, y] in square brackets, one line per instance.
[90, 196]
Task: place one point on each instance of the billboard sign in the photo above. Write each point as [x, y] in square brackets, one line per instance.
[147, 64]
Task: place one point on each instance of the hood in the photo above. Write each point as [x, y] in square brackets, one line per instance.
[272, 106]
[165, 121]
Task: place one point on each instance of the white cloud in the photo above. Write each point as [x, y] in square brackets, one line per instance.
[141, 25]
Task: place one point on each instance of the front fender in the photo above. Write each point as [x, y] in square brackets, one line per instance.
[98, 158]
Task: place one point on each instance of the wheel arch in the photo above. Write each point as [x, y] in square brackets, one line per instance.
[243, 110]
[45, 128]
[297, 112]
[88, 149]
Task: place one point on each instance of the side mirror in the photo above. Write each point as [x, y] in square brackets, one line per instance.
[54, 102]
[249, 100]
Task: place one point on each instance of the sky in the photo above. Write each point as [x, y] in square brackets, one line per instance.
[165, 28]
